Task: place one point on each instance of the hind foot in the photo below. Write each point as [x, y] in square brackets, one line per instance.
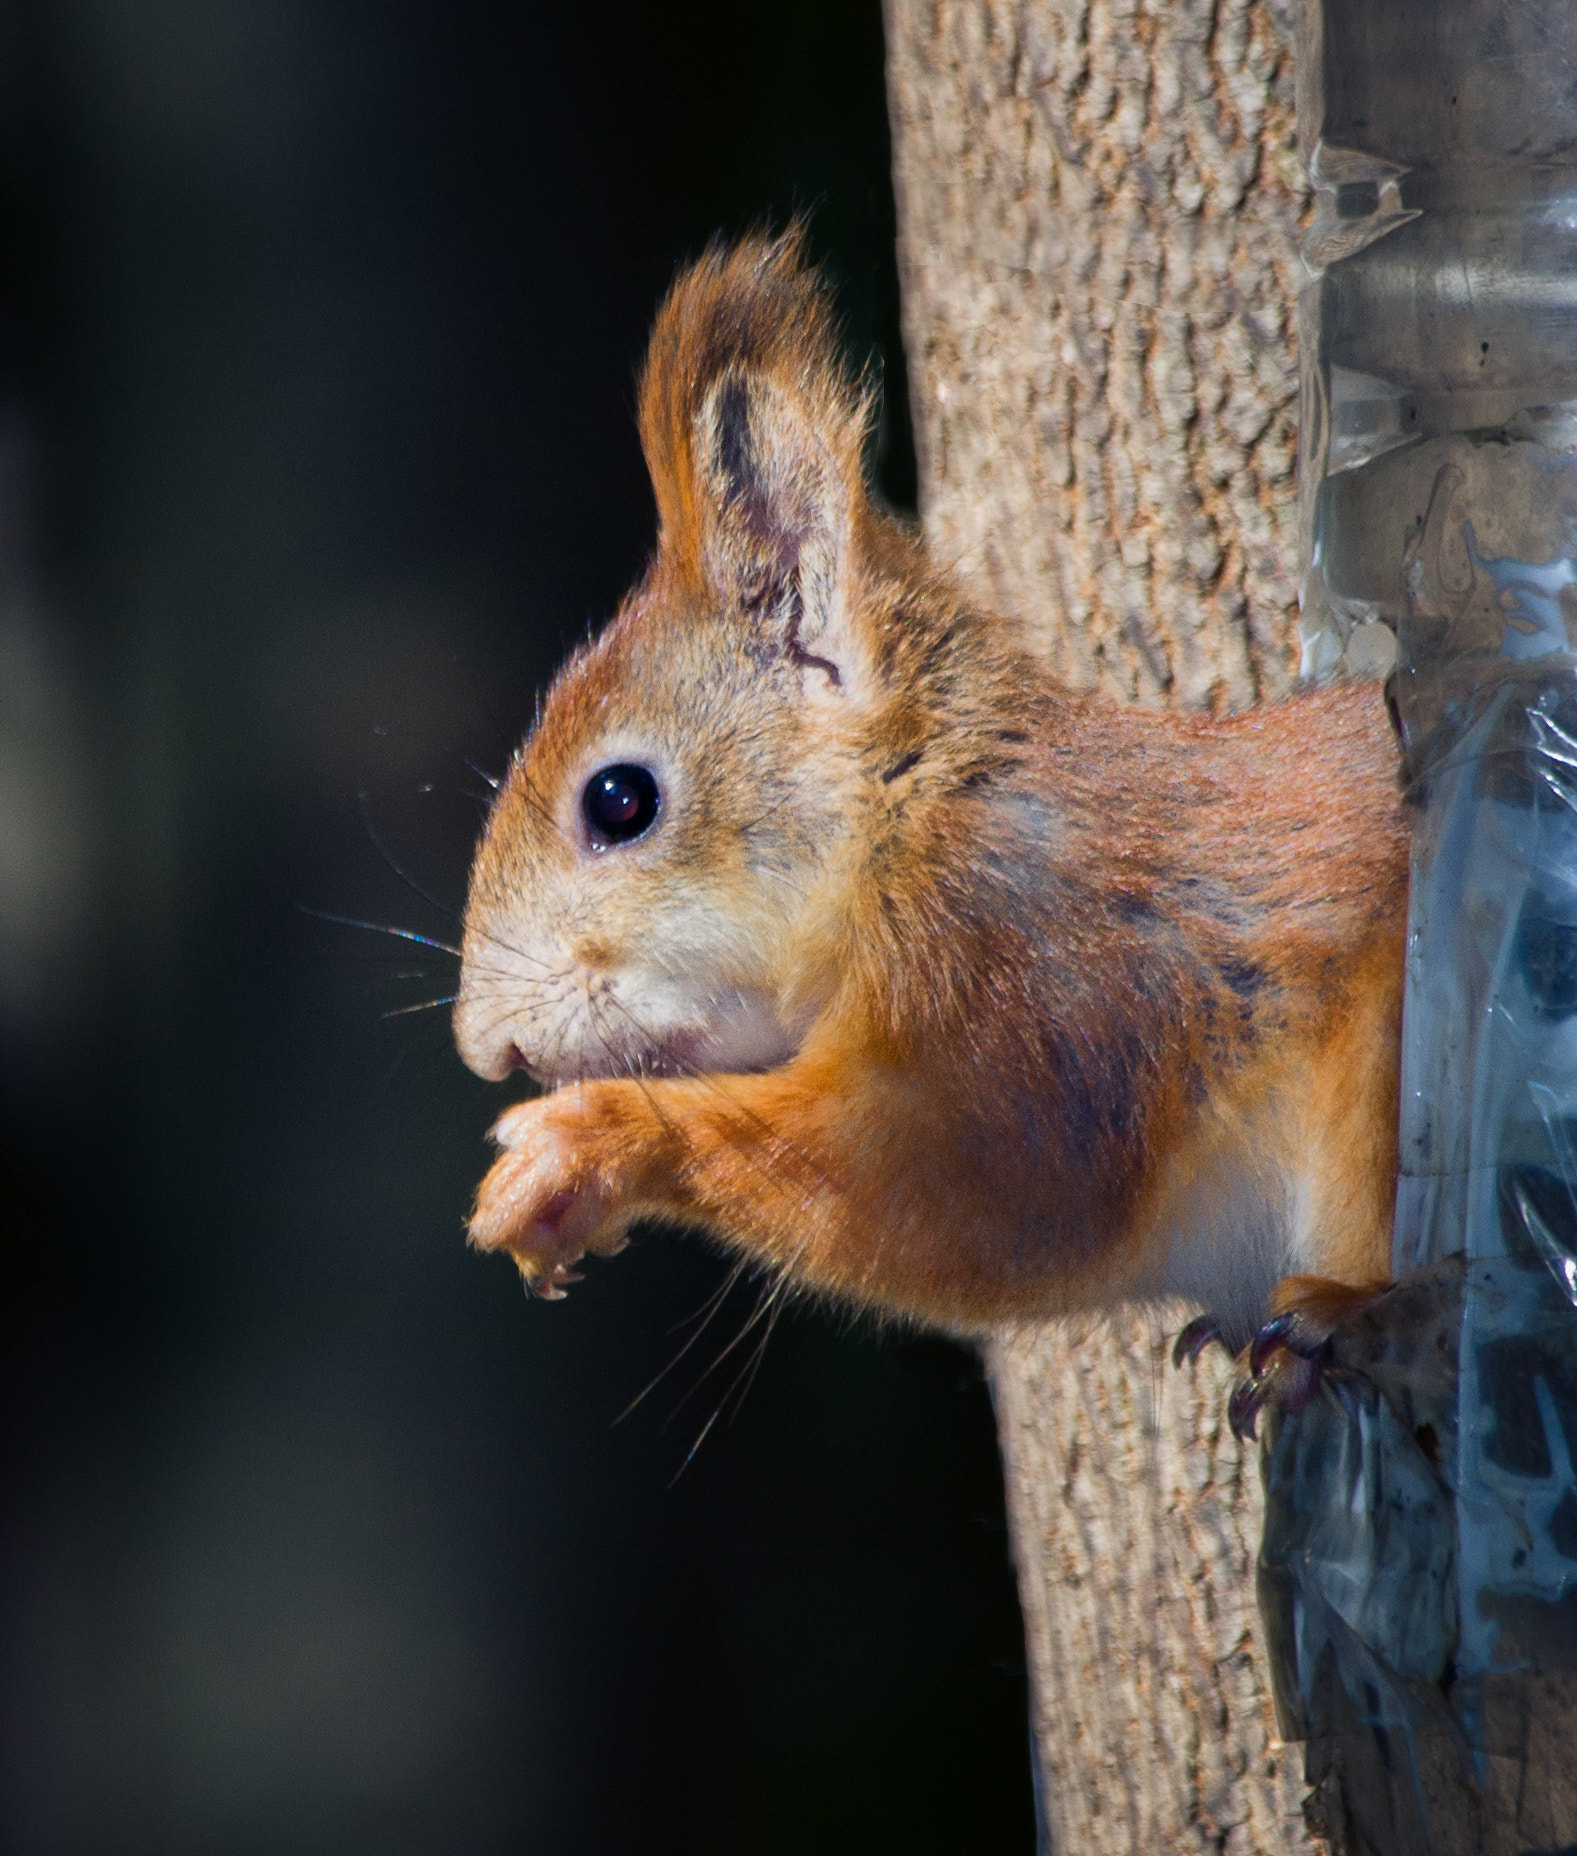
[1287, 1358]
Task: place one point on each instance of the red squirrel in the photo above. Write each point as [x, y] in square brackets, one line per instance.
[829, 922]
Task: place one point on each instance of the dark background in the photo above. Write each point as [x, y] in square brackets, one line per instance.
[318, 327]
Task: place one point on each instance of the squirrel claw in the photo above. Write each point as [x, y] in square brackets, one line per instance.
[1277, 1333]
[1285, 1365]
[1243, 1409]
[553, 1284]
[1195, 1338]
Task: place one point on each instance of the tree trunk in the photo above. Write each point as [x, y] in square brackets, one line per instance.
[1098, 204]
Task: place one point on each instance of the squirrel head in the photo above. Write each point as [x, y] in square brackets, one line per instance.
[658, 885]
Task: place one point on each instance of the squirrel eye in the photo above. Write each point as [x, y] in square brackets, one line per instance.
[619, 804]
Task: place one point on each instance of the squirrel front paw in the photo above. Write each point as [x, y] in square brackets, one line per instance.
[551, 1196]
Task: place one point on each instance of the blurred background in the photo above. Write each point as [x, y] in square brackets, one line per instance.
[318, 329]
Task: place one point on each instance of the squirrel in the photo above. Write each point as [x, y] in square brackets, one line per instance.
[829, 922]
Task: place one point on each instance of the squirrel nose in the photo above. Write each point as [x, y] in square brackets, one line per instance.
[488, 1044]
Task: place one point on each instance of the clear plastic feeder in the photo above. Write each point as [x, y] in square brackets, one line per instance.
[1419, 1574]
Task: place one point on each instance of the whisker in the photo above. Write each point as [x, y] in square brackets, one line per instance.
[394, 864]
[689, 1455]
[705, 1314]
[746, 1373]
[747, 1327]
[534, 799]
[509, 947]
[760, 1353]
[593, 1003]
[403, 934]
[427, 1005]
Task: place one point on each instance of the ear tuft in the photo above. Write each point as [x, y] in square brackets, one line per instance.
[751, 425]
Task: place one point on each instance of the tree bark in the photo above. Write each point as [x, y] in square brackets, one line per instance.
[1098, 204]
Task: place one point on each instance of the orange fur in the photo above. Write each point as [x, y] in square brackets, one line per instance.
[934, 986]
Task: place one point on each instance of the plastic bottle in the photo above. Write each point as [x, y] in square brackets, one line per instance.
[1438, 485]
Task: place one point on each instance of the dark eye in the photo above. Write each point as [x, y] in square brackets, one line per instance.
[619, 803]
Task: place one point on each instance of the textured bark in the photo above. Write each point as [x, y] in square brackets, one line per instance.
[1098, 202]
[1136, 1521]
[1098, 205]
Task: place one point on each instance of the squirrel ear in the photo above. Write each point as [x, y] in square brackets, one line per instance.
[777, 520]
[754, 435]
